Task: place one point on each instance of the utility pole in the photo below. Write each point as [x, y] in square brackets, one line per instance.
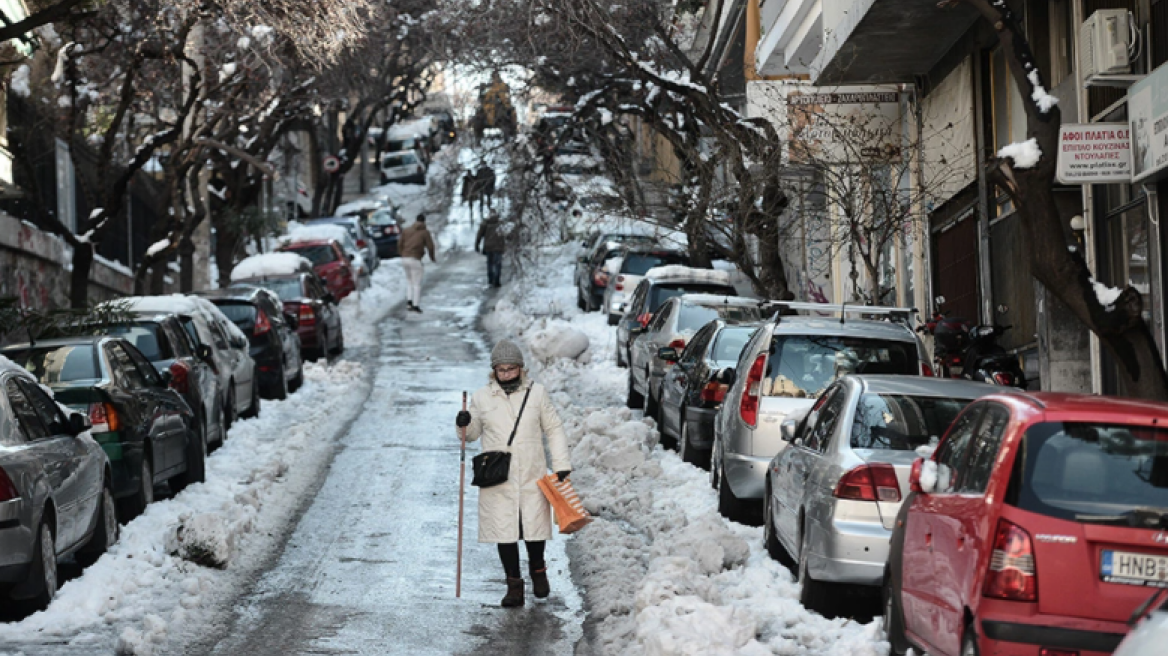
[194, 251]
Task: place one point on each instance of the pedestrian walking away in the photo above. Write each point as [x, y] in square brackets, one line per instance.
[493, 241]
[415, 242]
[517, 509]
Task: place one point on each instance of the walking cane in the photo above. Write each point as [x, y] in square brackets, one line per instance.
[461, 491]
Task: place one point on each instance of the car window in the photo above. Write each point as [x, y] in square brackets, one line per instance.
[800, 366]
[983, 450]
[953, 452]
[149, 373]
[26, 415]
[322, 254]
[730, 342]
[638, 264]
[285, 288]
[901, 422]
[662, 292]
[179, 340]
[826, 419]
[694, 316]
[661, 318]
[59, 364]
[697, 344]
[148, 337]
[125, 371]
[46, 408]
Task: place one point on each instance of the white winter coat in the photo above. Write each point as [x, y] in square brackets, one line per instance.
[493, 414]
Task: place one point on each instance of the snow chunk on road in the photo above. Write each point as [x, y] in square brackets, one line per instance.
[557, 339]
[1025, 154]
[203, 539]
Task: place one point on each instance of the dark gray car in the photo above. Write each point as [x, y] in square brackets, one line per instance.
[56, 491]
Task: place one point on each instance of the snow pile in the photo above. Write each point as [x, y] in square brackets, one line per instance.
[1025, 154]
[203, 539]
[361, 312]
[557, 339]
[1107, 296]
[298, 232]
[358, 206]
[679, 272]
[270, 264]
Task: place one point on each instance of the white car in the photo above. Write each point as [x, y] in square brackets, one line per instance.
[1150, 635]
[406, 166]
[624, 276]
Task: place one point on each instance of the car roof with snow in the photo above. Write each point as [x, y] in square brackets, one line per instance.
[270, 264]
[832, 327]
[677, 273]
[716, 299]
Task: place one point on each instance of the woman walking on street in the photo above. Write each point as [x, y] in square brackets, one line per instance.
[516, 509]
[415, 242]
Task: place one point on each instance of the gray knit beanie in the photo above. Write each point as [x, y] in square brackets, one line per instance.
[506, 352]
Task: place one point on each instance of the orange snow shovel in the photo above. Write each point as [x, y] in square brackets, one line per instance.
[566, 505]
[461, 492]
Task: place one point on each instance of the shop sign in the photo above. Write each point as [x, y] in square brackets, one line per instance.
[1147, 107]
[1094, 153]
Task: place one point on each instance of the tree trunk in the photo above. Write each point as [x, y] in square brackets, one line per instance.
[79, 277]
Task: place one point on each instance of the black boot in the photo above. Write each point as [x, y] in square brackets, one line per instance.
[514, 597]
[539, 582]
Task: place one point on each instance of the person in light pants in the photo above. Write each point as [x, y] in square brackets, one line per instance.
[414, 243]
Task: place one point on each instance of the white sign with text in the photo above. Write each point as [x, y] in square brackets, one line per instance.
[1094, 153]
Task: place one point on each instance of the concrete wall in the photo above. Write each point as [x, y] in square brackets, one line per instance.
[35, 267]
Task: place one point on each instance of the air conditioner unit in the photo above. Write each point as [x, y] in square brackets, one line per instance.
[1103, 43]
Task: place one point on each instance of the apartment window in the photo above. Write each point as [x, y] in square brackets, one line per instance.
[1007, 117]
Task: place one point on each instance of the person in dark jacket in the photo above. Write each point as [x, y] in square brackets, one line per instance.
[493, 241]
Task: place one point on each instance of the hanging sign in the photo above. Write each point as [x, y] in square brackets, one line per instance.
[332, 164]
[1147, 109]
[1094, 153]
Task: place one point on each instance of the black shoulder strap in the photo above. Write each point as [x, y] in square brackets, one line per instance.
[518, 417]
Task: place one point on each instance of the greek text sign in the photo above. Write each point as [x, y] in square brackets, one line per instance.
[1094, 153]
[1147, 108]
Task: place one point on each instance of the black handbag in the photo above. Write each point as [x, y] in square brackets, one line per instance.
[492, 467]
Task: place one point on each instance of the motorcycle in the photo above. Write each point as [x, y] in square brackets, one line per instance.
[963, 350]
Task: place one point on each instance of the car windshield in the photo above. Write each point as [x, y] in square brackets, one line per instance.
[286, 288]
[693, 316]
[731, 342]
[59, 364]
[316, 254]
[663, 292]
[801, 366]
[901, 422]
[240, 314]
[145, 336]
[1096, 473]
[382, 218]
[638, 264]
[390, 161]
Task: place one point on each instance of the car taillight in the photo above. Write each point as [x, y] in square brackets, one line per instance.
[678, 344]
[307, 315]
[600, 278]
[103, 418]
[1051, 651]
[875, 482]
[926, 370]
[1012, 572]
[262, 324]
[360, 243]
[8, 490]
[620, 283]
[180, 377]
[644, 319]
[748, 407]
[1003, 378]
[713, 392]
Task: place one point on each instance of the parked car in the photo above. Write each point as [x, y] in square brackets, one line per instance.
[319, 320]
[408, 166]
[833, 494]
[229, 359]
[692, 391]
[385, 227]
[1037, 525]
[271, 333]
[300, 233]
[146, 429]
[330, 263]
[784, 367]
[1151, 633]
[657, 348]
[657, 287]
[162, 340]
[56, 491]
[635, 262]
[361, 237]
[591, 276]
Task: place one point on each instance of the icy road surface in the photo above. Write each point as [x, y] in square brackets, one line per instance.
[370, 568]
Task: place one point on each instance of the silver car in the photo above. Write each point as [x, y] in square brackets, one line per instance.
[675, 322]
[832, 495]
[56, 491]
[784, 367]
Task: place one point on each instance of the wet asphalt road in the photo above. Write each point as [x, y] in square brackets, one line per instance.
[370, 567]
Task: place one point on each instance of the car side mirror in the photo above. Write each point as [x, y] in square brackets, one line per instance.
[166, 377]
[351, 256]
[78, 423]
[787, 430]
[918, 482]
[329, 298]
[293, 320]
[668, 354]
[203, 352]
[726, 376]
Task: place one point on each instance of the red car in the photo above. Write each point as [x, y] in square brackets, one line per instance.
[330, 263]
[1037, 527]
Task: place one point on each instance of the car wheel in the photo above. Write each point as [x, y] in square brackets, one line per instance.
[580, 301]
[634, 399]
[134, 505]
[613, 319]
[340, 348]
[254, 410]
[229, 409]
[43, 573]
[667, 441]
[280, 390]
[730, 506]
[715, 464]
[969, 642]
[769, 537]
[298, 381]
[814, 595]
[684, 448]
[196, 462]
[105, 531]
[320, 351]
[893, 620]
[220, 430]
[620, 360]
[650, 404]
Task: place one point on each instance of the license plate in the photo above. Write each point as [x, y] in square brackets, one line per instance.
[1134, 568]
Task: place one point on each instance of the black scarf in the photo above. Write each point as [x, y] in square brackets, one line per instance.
[511, 386]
